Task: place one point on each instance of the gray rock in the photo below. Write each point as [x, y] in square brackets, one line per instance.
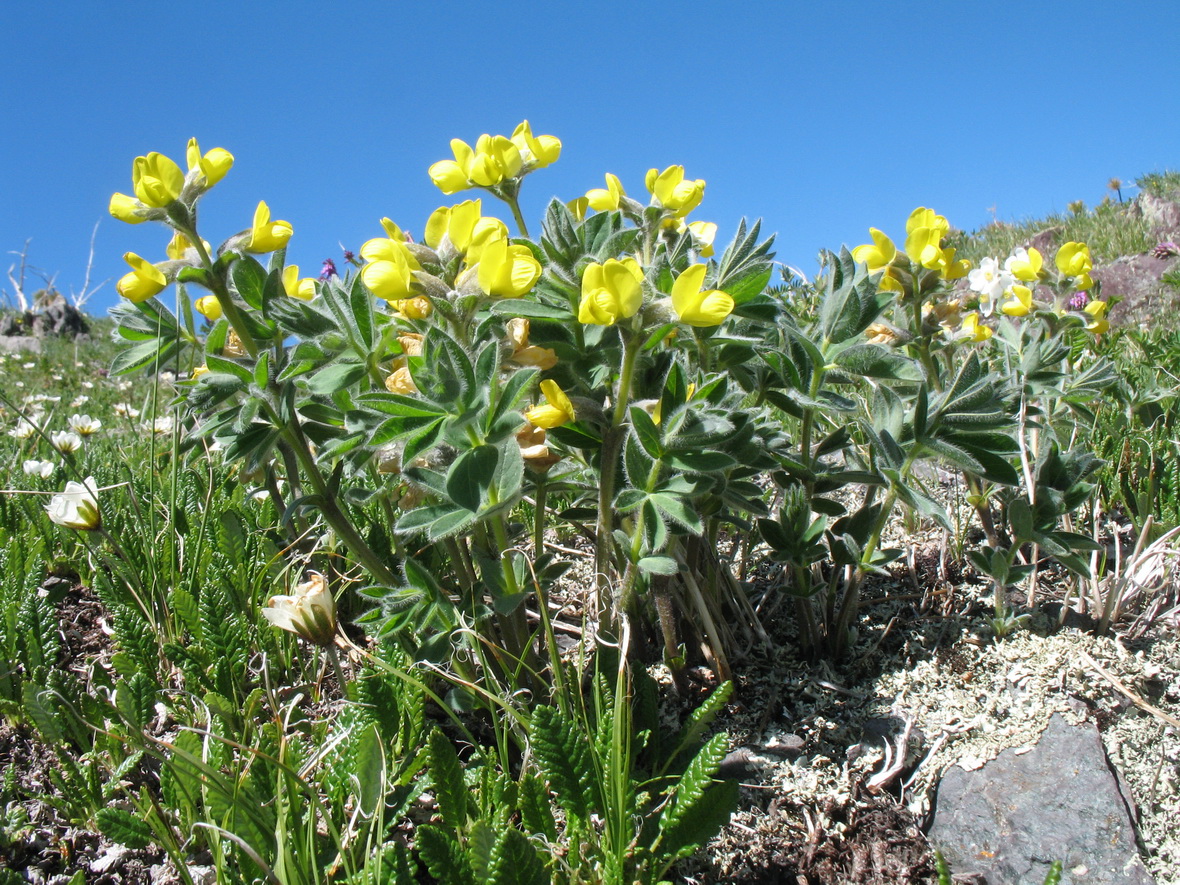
[1010, 819]
[19, 344]
[1137, 280]
[1163, 215]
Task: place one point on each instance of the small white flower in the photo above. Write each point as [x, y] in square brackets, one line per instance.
[990, 282]
[310, 613]
[167, 377]
[65, 441]
[123, 386]
[77, 506]
[20, 384]
[89, 385]
[23, 430]
[43, 469]
[29, 366]
[162, 425]
[84, 425]
[58, 377]
[124, 410]
[79, 401]
[79, 365]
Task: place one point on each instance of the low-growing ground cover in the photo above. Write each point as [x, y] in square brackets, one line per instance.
[525, 560]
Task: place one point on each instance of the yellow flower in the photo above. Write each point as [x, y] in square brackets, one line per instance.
[144, 281]
[450, 176]
[536, 151]
[411, 343]
[157, 180]
[128, 209]
[507, 271]
[208, 307]
[973, 329]
[611, 292]
[466, 229]
[389, 273]
[675, 193]
[1026, 266]
[199, 371]
[267, 235]
[310, 613]
[878, 254]
[923, 217]
[606, 199]
[533, 449]
[1019, 302]
[695, 307]
[416, 308]
[704, 233]
[923, 245]
[952, 269]
[303, 289]
[1098, 322]
[211, 166]
[401, 381]
[493, 159]
[578, 207]
[179, 245]
[1073, 260]
[556, 411]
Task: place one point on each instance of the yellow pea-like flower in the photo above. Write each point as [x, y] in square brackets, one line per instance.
[1073, 260]
[1025, 265]
[878, 254]
[401, 381]
[267, 235]
[578, 207]
[975, 330]
[605, 199]
[416, 308]
[673, 191]
[303, 289]
[704, 233]
[506, 270]
[208, 307]
[697, 308]
[496, 158]
[143, 282]
[391, 277]
[157, 180]
[556, 410]
[923, 217]
[611, 292]
[451, 176]
[923, 246]
[1019, 302]
[128, 209]
[1097, 322]
[212, 165]
[537, 151]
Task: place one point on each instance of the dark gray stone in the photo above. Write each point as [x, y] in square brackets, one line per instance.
[1009, 820]
[1138, 281]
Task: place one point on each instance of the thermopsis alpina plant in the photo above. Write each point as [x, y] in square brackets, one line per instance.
[619, 380]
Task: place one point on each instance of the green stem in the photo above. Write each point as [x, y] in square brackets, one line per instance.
[228, 307]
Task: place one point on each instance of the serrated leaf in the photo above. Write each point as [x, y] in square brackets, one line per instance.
[516, 861]
[443, 856]
[563, 756]
[123, 827]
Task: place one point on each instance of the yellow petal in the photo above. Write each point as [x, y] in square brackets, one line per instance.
[127, 209]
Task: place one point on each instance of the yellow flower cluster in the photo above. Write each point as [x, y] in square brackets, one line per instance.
[494, 160]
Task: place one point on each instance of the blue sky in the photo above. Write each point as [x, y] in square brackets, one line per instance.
[821, 118]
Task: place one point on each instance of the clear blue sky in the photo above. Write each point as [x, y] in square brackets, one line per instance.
[821, 118]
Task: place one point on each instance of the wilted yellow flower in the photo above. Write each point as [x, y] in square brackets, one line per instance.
[209, 307]
[673, 191]
[267, 235]
[199, 371]
[310, 612]
[233, 345]
[303, 289]
[880, 333]
[524, 353]
[411, 343]
[416, 308]
[533, 449]
[157, 180]
[611, 292]
[144, 281]
[211, 166]
[1019, 301]
[507, 270]
[401, 381]
[556, 410]
[697, 308]
[537, 151]
[606, 199]
[179, 246]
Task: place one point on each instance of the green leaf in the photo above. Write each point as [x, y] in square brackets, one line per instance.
[659, 565]
[443, 856]
[678, 510]
[697, 778]
[516, 861]
[563, 755]
[336, 377]
[710, 813]
[447, 776]
[470, 477]
[368, 767]
[123, 827]
[248, 278]
[520, 307]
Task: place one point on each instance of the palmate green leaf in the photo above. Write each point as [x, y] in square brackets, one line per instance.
[678, 510]
[336, 377]
[153, 355]
[746, 265]
[850, 301]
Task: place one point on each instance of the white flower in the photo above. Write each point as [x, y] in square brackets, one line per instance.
[990, 282]
[124, 410]
[58, 377]
[29, 366]
[162, 425]
[23, 430]
[89, 385]
[79, 401]
[65, 441]
[43, 469]
[123, 386]
[167, 377]
[310, 613]
[77, 506]
[84, 424]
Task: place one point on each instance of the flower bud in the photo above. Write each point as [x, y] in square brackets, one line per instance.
[310, 612]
